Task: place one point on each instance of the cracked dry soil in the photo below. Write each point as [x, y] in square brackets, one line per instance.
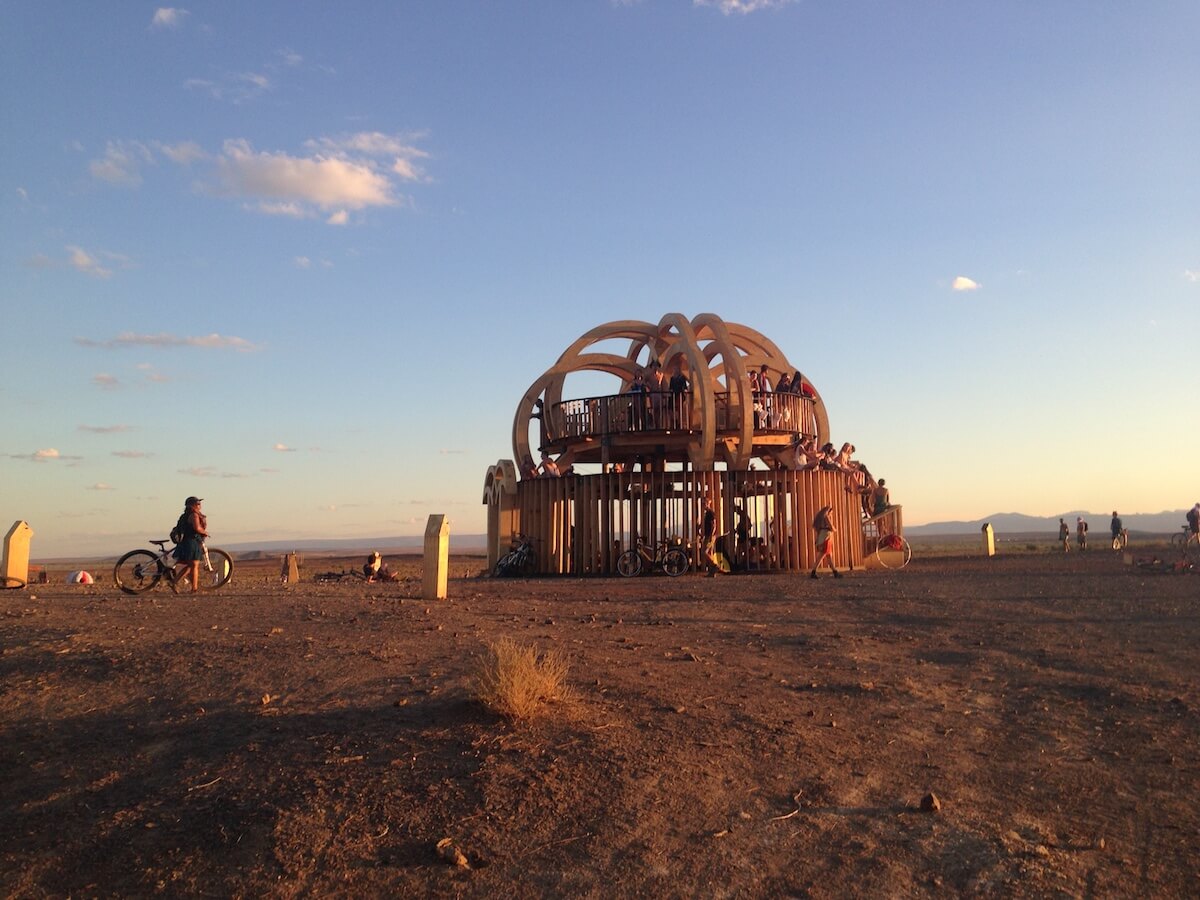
[748, 736]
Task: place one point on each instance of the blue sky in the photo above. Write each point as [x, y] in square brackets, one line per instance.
[302, 259]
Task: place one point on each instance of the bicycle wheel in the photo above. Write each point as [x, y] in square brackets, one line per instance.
[629, 564]
[221, 572]
[137, 571]
[1179, 540]
[527, 564]
[675, 562]
[893, 551]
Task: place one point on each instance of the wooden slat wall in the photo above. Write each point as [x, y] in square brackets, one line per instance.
[581, 524]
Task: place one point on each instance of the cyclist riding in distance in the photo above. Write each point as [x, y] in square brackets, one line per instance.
[193, 525]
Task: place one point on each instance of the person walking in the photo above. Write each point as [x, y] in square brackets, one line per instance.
[1064, 535]
[1118, 531]
[823, 530]
[192, 529]
[708, 536]
[1081, 530]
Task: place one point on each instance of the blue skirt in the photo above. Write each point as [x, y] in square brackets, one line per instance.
[190, 548]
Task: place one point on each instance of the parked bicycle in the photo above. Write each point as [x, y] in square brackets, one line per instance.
[141, 570]
[521, 560]
[1186, 541]
[666, 555]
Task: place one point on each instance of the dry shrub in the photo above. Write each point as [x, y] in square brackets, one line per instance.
[516, 681]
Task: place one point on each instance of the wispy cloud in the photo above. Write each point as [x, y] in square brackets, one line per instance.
[106, 429]
[742, 7]
[99, 486]
[963, 283]
[48, 454]
[284, 448]
[122, 163]
[200, 471]
[132, 454]
[164, 340]
[1192, 275]
[168, 17]
[184, 153]
[106, 382]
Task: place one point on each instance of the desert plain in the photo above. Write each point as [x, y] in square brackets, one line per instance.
[743, 736]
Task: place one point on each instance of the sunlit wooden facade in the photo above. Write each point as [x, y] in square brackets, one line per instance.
[639, 465]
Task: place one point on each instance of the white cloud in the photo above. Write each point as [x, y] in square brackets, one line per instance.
[284, 448]
[132, 454]
[302, 262]
[963, 283]
[1192, 275]
[49, 454]
[184, 153]
[341, 217]
[290, 57]
[323, 182]
[121, 164]
[100, 486]
[207, 341]
[168, 17]
[106, 381]
[82, 261]
[742, 7]
[398, 149]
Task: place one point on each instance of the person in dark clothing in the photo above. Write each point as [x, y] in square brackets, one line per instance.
[189, 551]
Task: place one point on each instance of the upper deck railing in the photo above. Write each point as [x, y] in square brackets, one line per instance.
[665, 412]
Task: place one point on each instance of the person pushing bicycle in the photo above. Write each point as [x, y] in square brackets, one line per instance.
[190, 531]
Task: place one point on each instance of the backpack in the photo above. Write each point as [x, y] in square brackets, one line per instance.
[181, 530]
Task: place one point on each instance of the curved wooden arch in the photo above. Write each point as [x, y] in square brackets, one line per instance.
[711, 349]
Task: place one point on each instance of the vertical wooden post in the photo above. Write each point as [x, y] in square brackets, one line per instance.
[437, 558]
[989, 539]
[15, 566]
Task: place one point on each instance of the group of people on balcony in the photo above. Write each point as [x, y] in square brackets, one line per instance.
[656, 401]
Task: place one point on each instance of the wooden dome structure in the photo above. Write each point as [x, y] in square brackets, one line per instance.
[680, 425]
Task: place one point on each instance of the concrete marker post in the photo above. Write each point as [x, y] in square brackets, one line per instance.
[989, 539]
[15, 565]
[437, 558]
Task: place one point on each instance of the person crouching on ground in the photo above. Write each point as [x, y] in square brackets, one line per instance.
[375, 569]
[194, 525]
[823, 528]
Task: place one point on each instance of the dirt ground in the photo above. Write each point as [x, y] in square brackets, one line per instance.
[748, 736]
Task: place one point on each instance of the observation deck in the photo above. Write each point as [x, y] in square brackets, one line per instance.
[663, 425]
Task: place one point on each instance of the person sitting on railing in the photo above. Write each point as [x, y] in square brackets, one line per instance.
[549, 468]
[843, 460]
[881, 500]
[827, 457]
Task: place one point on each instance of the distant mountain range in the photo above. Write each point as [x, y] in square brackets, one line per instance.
[1161, 523]
[459, 543]
[1167, 522]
